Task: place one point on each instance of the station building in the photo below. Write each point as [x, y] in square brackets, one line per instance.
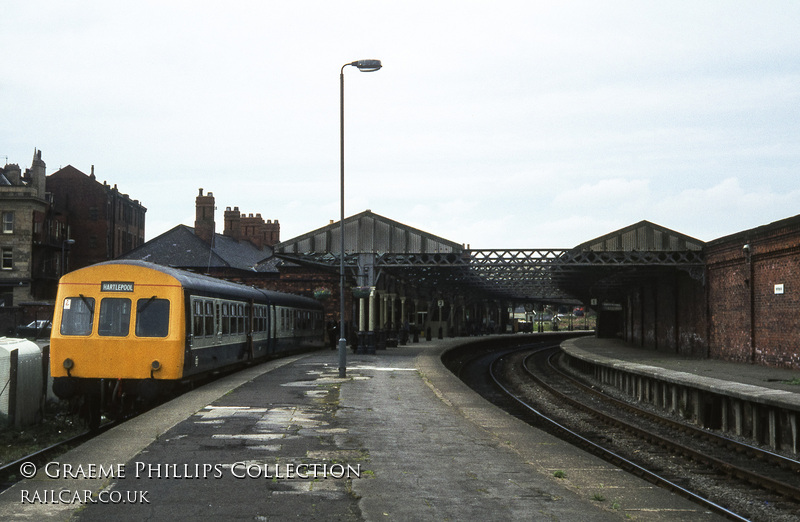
[734, 298]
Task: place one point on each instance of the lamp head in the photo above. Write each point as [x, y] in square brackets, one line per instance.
[367, 65]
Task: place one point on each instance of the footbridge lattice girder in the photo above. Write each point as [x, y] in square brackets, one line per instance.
[544, 275]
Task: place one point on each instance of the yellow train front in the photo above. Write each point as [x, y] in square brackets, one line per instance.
[130, 330]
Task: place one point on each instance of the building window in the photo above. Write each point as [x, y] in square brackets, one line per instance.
[8, 222]
[8, 259]
[93, 213]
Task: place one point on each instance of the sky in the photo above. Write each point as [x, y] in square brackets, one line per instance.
[494, 124]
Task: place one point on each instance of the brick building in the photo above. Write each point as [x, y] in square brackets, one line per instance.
[103, 222]
[753, 285]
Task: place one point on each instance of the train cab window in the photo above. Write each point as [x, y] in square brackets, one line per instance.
[77, 316]
[115, 317]
[152, 317]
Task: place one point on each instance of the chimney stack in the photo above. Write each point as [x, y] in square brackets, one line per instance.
[204, 227]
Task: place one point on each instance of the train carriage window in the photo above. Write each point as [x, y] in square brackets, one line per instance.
[234, 320]
[115, 317]
[226, 319]
[209, 318]
[152, 317]
[260, 322]
[77, 316]
[197, 319]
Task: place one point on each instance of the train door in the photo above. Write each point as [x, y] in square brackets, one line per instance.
[249, 327]
[272, 327]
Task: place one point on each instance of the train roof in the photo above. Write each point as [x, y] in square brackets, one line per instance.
[211, 285]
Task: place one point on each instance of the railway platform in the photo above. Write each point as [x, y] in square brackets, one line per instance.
[748, 400]
[400, 438]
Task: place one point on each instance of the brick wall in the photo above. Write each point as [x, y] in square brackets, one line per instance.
[103, 222]
[748, 320]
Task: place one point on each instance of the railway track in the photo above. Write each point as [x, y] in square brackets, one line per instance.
[737, 480]
[756, 466]
[723, 475]
[10, 472]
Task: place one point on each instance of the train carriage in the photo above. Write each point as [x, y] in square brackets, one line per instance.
[136, 328]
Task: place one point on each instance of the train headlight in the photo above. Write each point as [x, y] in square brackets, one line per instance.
[68, 363]
[154, 367]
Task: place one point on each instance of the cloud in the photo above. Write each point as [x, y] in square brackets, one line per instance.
[515, 124]
[726, 208]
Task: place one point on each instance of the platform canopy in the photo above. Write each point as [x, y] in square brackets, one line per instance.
[429, 266]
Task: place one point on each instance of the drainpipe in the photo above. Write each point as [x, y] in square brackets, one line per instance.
[752, 296]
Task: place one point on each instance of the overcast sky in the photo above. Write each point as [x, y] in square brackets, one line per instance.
[498, 124]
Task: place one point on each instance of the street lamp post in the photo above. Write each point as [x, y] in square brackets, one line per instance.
[363, 66]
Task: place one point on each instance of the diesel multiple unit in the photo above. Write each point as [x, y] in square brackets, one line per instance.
[133, 329]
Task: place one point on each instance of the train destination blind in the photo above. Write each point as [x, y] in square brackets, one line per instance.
[116, 286]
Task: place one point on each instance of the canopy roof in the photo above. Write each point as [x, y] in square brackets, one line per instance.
[427, 265]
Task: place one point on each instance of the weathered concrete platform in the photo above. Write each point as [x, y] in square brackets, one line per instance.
[748, 400]
[400, 438]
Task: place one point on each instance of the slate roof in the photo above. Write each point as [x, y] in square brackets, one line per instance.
[180, 247]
